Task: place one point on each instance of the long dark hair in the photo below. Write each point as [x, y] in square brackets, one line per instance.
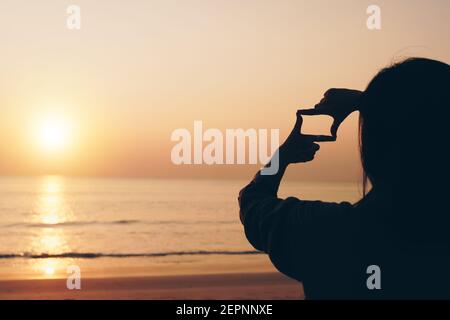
[404, 109]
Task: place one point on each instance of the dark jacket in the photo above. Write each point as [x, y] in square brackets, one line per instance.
[330, 246]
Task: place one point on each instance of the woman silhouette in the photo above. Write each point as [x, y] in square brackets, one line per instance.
[400, 228]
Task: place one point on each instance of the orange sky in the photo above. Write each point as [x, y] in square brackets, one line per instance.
[137, 71]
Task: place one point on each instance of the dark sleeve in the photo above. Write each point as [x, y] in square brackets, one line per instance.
[286, 229]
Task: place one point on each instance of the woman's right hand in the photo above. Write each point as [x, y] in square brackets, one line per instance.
[337, 103]
[300, 147]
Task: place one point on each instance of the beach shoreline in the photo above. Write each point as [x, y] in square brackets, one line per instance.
[233, 286]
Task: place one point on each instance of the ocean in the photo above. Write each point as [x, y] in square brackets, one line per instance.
[130, 226]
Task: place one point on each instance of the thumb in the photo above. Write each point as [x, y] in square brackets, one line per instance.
[298, 122]
[335, 127]
[297, 125]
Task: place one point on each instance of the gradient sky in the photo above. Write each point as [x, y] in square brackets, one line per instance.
[137, 70]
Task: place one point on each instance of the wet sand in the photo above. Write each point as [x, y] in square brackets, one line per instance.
[191, 287]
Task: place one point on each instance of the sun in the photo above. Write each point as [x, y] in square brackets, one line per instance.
[53, 133]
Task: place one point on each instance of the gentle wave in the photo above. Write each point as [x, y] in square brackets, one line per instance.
[116, 222]
[90, 255]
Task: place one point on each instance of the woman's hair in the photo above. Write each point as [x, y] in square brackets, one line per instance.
[404, 122]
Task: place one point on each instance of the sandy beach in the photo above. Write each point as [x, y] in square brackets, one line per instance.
[191, 287]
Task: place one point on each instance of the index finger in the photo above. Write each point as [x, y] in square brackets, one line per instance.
[319, 138]
[310, 112]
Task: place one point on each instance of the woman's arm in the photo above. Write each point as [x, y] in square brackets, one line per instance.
[290, 229]
[271, 224]
[297, 148]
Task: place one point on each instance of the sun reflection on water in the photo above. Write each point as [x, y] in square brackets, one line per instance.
[51, 210]
[51, 206]
[51, 267]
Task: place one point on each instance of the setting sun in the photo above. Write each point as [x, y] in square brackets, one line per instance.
[53, 133]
